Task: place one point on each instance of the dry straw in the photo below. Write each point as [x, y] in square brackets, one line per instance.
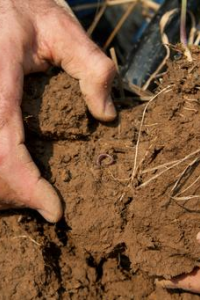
[148, 3]
[165, 41]
[170, 167]
[120, 24]
[135, 167]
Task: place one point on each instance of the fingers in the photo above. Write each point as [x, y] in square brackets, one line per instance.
[21, 184]
[189, 282]
[34, 192]
[46, 201]
[83, 60]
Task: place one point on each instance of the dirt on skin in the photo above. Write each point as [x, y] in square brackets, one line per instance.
[125, 224]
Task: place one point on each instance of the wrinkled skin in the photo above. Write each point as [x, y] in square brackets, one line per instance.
[35, 34]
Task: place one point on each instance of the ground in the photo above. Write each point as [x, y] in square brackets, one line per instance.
[126, 223]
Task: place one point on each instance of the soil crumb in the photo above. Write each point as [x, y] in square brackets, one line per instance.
[125, 223]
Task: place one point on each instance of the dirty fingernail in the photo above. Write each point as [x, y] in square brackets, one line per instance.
[198, 237]
[49, 216]
[110, 111]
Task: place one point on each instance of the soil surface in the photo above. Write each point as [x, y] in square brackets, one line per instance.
[127, 221]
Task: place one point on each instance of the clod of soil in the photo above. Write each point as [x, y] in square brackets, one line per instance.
[55, 107]
[126, 223]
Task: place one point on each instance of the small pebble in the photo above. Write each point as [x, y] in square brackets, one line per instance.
[66, 176]
[66, 158]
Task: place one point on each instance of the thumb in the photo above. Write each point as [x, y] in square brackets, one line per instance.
[71, 49]
[187, 282]
[21, 184]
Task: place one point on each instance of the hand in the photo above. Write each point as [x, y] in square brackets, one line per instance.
[35, 34]
[187, 282]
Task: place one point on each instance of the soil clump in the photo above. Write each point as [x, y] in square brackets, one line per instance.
[125, 223]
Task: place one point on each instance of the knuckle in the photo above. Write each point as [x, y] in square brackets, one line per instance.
[107, 69]
[102, 66]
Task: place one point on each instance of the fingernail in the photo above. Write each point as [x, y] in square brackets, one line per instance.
[110, 111]
[198, 237]
[52, 218]
[47, 202]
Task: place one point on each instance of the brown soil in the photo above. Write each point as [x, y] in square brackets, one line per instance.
[119, 232]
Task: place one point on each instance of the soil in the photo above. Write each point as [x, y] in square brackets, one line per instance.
[126, 223]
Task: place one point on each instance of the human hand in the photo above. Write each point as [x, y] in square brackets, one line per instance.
[187, 282]
[35, 34]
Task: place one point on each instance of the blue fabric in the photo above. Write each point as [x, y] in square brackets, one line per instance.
[140, 32]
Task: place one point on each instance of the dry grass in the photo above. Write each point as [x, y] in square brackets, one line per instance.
[183, 174]
[165, 41]
[120, 82]
[147, 3]
[97, 19]
[193, 29]
[101, 8]
[120, 24]
[167, 89]
[171, 165]
[27, 237]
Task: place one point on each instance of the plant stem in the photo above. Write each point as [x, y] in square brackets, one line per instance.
[183, 35]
